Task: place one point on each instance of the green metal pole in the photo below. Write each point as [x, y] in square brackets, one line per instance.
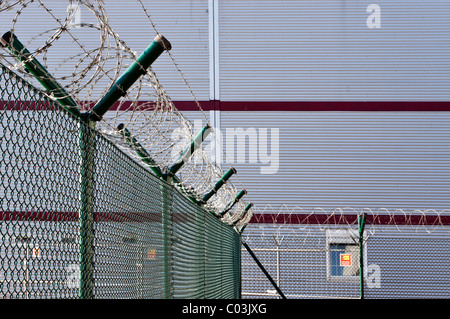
[87, 151]
[131, 75]
[86, 210]
[361, 226]
[238, 265]
[41, 74]
[246, 209]
[166, 217]
[139, 149]
[147, 159]
[218, 185]
[263, 270]
[232, 203]
[188, 151]
[166, 221]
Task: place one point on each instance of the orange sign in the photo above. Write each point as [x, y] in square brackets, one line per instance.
[346, 260]
[36, 253]
[151, 253]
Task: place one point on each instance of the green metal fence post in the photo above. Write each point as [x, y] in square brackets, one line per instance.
[166, 221]
[232, 203]
[361, 226]
[130, 76]
[246, 209]
[218, 185]
[139, 149]
[238, 266]
[86, 211]
[188, 151]
[39, 72]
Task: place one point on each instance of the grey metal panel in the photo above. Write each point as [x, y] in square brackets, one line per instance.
[401, 262]
[394, 160]
[183, 23]
[324, 50]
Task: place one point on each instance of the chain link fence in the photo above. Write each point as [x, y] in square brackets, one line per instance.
[81, 219]
[323, 261]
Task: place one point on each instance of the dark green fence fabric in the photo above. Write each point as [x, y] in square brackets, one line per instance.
[81, 219]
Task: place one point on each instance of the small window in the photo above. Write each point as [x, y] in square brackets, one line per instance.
[343, 255]
[344, 260]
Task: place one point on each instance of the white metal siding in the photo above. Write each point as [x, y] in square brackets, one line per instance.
[183, 23]
[350, 159]
[323, 50]
[306, 50]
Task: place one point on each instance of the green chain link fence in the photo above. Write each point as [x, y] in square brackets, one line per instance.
[81, 219]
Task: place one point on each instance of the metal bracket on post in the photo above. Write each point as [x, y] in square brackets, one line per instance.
[217, 186]
[131, 75]
[246, 209]
[139, 149]
[188, 151]
[40, 73]
[147, 159]
[232, 203]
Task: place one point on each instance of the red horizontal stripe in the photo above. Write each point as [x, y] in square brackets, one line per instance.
[138, 217]
[254, 106]
[27, 106]
[367, 106]
[343, 219]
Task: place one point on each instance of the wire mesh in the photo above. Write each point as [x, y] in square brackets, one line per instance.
[317, 261]
[81, 219]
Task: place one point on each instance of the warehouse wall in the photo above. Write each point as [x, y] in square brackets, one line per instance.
[352, 95]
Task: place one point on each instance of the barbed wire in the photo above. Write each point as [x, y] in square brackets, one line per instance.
[346, 218]
[95, 56]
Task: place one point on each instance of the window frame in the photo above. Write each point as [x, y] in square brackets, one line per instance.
[344, 237]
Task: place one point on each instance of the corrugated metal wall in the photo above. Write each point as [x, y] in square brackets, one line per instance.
[264, 50]
[349, 159]
[183, 23]
[400, 262]
[277, 50]
[324, 50]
